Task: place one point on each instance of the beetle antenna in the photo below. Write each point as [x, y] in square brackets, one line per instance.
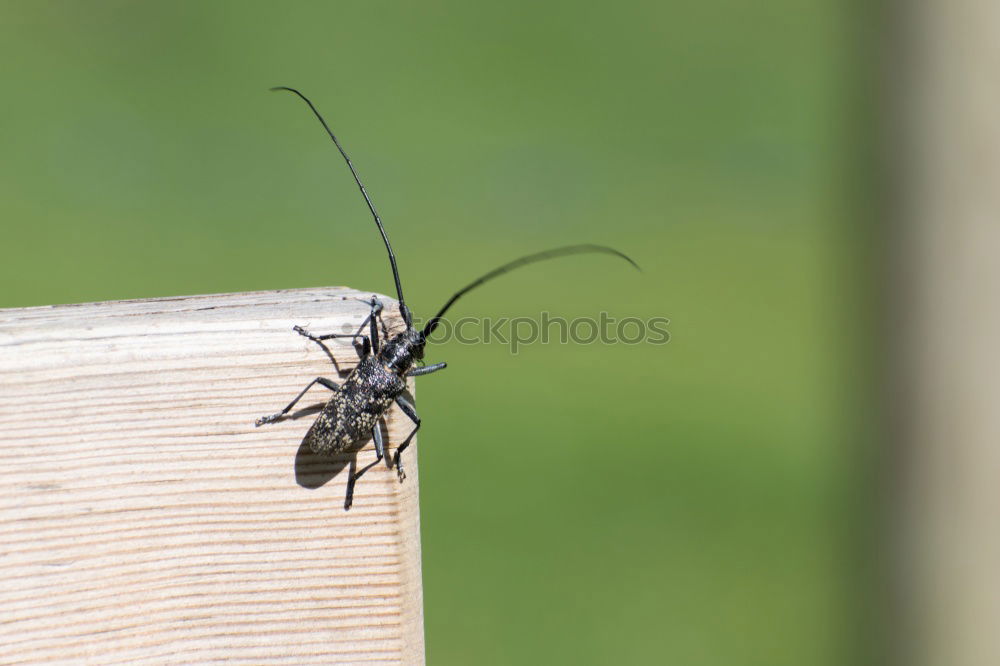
[517, 263]
[403, 310]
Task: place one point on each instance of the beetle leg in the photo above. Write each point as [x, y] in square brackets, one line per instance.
[376, 313]
[379, 445]
[366, 344]
[411, 412]
[427, 369]
[353, 475]
[329, 336]
[274, 417]
[349, 498]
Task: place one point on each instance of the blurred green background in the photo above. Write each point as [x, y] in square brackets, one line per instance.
[702, 502]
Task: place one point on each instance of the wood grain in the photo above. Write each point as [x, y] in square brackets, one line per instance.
[143, 517]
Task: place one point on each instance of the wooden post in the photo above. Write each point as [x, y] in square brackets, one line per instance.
[945, 468]
[143, 517]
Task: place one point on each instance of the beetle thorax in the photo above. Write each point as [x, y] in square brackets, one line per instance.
[401, 351]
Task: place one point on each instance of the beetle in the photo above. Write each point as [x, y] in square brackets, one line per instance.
[358, 405]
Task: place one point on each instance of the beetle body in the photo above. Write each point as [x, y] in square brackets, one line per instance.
[365, 396]
[357, 407]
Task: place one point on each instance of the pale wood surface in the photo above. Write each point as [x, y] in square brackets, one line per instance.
[943, 337]
[143, 517]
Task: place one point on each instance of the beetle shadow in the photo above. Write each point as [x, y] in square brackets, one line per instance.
[341, 373]
[314, 470]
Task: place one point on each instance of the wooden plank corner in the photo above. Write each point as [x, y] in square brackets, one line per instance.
[143, 517]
